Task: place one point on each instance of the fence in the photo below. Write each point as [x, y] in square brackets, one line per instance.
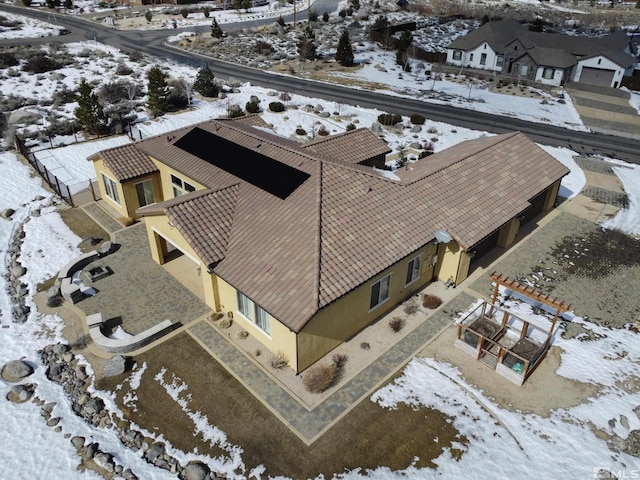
[81, 193]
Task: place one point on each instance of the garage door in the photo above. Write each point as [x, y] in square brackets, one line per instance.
[597, 76]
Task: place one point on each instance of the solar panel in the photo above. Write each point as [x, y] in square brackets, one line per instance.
[259, 170]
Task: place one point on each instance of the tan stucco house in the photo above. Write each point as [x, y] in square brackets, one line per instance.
[307, 244]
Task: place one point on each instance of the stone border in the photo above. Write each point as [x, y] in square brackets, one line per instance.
[124, 345]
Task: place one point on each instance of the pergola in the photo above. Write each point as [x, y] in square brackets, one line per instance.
[482, 335]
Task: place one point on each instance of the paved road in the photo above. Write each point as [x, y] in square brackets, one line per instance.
[151, 42]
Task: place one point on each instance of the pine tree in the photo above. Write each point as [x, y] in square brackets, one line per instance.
[306, 45]
[89, 112]
[402, 55]
[216, 30]
[157, 92]
[205, 83]
[344, 52]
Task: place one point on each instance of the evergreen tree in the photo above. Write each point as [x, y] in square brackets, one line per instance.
[306, 45]
[157, 92]
[89, 112]
[402, 55]
[205, 83]
[216, 30]
[68, 4]
[344, 52]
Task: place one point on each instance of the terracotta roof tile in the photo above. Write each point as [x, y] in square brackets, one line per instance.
[126, 162]
[354, 146]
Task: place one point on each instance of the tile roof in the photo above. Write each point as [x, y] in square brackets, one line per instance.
[126, 162]
[354, 146]
[344, 223]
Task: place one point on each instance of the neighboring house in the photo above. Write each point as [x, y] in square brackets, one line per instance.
[305, 244]
[511, 49]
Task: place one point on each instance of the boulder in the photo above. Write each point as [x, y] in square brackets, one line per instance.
[7, 213]
[16, 370]
[104, 461]
[116, 365]
[376, 128]
[20, 393]
[105, 248]
[154, 452]
[195, 471]
[78, 442]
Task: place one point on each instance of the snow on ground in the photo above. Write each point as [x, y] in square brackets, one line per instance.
[521, 445]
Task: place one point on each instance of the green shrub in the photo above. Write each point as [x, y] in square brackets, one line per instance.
[417, 119]
[236, 113]
[426, 153]
[252, 107]
[276, 107]
[350, 127]
[301, 131]
[389, 118]
[184, 12]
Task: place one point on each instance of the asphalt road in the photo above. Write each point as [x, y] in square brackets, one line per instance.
[152, 42]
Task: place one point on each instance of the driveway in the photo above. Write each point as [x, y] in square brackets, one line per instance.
[605, 110]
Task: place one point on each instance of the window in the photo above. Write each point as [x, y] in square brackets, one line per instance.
[499, 60]
[547, 73]
[457, 55]
[180, 187]
[413, 270]
[253, 312]
[483, 59]
[471, 57]
[144, 190]
[523, 70]
[379, 292]
[111, 189]
[599, 61]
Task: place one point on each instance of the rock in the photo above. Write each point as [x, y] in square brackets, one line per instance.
[16, 370]
[60, 349]
[83, 399]
[624, 421]
[195, 471]
[16, 270]
[254, 99]
[105, 248]
[80, 372]
[116, 365]
[7, 213]
[276, 29]
[20, 393]
[154, 452]
[376, 127]
[416, 129]
[415, 145]
[77, 442]
[67, 357]
[93, 406]
[105, 461]
[92, 449]
[324, 114]
[52, 422]
[127, 474]
[632, 443]
[612, 423]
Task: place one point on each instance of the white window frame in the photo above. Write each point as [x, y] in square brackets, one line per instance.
[380, 292]
[457, 54]
[413, 270]
[180, 187]
[548, 69]
[258, 316]
[524, 69]
[110, 188]
[483, 59]
[499, 60]
[153, 194]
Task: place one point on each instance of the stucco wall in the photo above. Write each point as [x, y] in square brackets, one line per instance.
[165, 176]
[347, 316]
[120, 207]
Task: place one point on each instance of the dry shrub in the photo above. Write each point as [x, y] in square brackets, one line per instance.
[431, 301]
[396, 324]
[214, 317]
[319, 378]
[279, 360]
[242, 334]
[339, 360]
[410, 308]
[365, 346]
[226, 323]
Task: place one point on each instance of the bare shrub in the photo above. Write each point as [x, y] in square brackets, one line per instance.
[242, 334]
[214, 317]
[396, 324]
[226, 323]
[365, 346]
[279, 360]
[81, 342]
[319, 378]
[410, 308]
[339, 360]
[431, 301]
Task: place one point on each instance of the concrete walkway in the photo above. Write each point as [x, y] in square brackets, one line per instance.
[605, 110]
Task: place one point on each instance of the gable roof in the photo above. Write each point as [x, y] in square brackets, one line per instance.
[343, 224]
[126, 162]
[541, 45]
[354, 146]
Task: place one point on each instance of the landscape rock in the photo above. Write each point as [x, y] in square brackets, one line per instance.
[376, 128]
[105, 248]
[195, 471]
[20, 393]
[416, 129]
[94, 406]
[16, 370]
[116, 365]
[7, 213]
[154, 452]
[104, 461]
[92, 449]
[78, 442]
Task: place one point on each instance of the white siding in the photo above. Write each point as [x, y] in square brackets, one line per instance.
[473, 58]
[555, 80]
[602, 63]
